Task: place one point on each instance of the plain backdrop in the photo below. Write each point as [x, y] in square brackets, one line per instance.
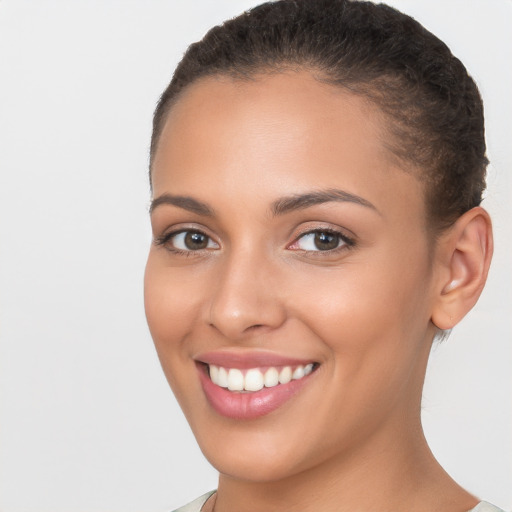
[87, 420]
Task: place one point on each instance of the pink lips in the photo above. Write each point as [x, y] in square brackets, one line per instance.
[244, 360]
[248, 405]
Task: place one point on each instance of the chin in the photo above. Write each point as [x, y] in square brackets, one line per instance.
[251, 452]
[252, 467]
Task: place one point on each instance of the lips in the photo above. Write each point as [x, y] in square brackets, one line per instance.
[242, 386]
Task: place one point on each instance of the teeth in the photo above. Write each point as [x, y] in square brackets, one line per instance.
[222, 378]
[254, 378]
[285, 375]
[271, 378]
[298, 373]
[235, 380]
[214, 373]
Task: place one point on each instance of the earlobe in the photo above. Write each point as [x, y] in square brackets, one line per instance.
[465, 255]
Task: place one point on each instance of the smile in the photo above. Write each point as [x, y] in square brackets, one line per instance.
[255, 379]
[246, 387]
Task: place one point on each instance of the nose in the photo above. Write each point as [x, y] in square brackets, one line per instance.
[246, 299]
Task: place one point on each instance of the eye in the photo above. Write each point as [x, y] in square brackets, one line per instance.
[187, 241]
[320, 240]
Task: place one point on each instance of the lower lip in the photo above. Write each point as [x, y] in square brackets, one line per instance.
[247, 406]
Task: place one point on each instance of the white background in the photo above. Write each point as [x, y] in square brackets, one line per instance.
[87, 420]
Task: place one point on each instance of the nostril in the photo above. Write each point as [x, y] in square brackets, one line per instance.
[254, 327]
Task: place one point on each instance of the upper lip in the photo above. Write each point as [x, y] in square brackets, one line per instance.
[248, 359]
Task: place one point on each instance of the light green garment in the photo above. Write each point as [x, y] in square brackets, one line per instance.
[197, 504]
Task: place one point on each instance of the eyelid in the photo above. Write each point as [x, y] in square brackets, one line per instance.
[348, 241]
[168, 235]
[178, 239]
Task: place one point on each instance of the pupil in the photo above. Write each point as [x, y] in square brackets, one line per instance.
[196, 241]
[326, 241]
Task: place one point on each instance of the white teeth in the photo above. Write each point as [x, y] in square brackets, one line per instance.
[271, 378]
[214, 373]
[223, 378]
[254, 379]
[298, 373]
[285, 375]
[235, 380]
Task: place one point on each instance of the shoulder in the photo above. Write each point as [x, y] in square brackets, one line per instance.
[483, 506]
[197, 504]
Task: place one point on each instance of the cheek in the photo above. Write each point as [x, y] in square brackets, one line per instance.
[172, 308]
[172, 305]
[374, 331]
[372, 315]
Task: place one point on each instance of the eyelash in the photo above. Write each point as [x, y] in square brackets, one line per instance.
[347, 242]
[164, 240]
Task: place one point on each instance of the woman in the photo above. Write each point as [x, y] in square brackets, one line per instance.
[317, 169]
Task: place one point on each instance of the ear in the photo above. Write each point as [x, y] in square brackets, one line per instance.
[464, 253]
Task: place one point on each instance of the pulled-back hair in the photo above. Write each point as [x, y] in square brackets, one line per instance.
[434, 109]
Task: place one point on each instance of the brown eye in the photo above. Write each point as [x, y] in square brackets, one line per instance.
[326, 241]
[195, 241]
[320, 241]
[188, 241]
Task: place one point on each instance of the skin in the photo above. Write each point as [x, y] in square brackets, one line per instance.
[351, 439]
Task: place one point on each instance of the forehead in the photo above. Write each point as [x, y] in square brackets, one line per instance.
[295, 104]
[278, 134]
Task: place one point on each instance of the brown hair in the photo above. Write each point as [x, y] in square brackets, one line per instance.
[434, 107]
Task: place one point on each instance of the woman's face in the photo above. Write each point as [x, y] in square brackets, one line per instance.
[287, 245]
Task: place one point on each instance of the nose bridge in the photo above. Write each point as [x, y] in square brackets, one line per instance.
[245, 295]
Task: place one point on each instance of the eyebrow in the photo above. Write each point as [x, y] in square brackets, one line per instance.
[185, 202]
[280, 207]
[303, 201]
